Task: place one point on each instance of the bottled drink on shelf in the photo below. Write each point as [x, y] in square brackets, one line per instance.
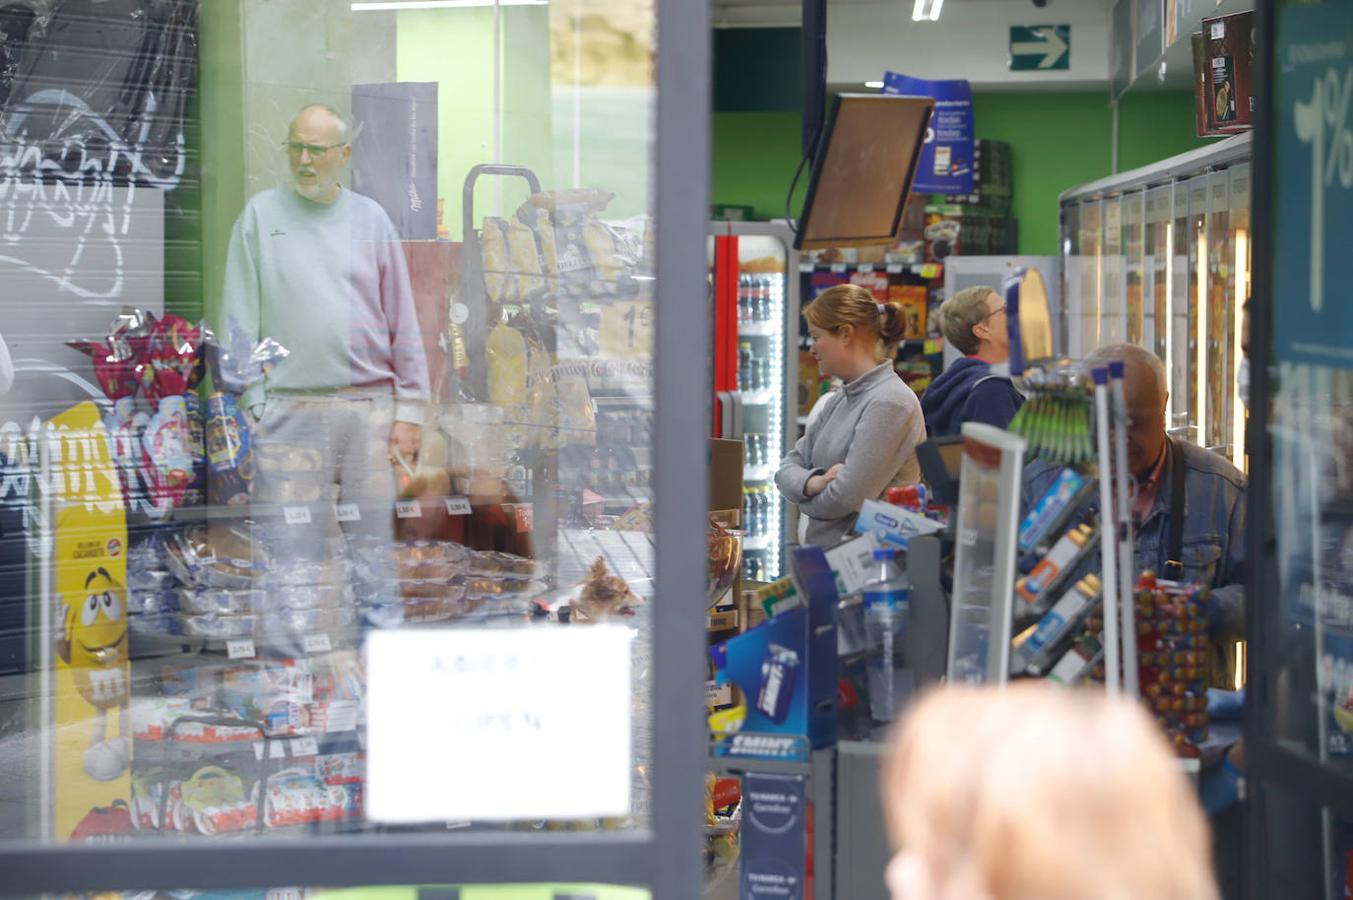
[762, 309]
[744, 298]
[764, 371]
[745, 360]
[886, 598]
[748, 504]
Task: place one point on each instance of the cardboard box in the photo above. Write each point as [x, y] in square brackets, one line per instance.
[1229, 71]
[874, 282]
[787, 669]
[811, 382]
[915, 301]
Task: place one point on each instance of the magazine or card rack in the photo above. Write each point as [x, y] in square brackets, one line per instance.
[986, 527]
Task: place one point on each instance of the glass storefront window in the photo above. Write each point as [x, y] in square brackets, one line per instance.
[328, 471]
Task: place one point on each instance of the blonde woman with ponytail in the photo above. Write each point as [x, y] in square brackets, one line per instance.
[863, 441]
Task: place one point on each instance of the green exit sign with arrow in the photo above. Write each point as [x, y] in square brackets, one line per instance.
[1040, 47]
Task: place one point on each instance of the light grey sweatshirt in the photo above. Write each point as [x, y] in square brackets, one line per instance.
[872, 425]
[328, 282]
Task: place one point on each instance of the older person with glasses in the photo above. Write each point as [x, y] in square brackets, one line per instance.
[973, 321]
[320, 269]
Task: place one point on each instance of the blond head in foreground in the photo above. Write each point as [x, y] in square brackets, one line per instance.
[1038, 793]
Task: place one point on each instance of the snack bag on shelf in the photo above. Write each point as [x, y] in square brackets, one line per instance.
[236, 365]
[531, 265]
[117, 362]
[214, 801]
[500, 284]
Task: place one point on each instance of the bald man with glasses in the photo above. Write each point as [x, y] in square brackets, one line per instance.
[320, 270]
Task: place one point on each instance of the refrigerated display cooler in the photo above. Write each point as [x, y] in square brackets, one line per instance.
[754, 269]
[1160, 257]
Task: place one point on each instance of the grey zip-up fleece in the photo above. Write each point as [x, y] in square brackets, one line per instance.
[872, 425]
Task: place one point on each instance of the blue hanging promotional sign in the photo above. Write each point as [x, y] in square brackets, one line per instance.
[946, 159]
[1313, 228]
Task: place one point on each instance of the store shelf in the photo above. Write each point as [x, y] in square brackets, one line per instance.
[1338, 510]
[157, 751]
[724, 620]
[758, 398]
[757, 329]
[924, 270]
[756, 544]
[757, 474]
[307, 513]
[745, 764]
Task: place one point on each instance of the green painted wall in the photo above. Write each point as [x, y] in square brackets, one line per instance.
[1059, 140]
[454, 47]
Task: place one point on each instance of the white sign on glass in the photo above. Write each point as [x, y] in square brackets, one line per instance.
[458, 720]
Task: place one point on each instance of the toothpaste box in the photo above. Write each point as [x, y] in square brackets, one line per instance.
[1051, 505]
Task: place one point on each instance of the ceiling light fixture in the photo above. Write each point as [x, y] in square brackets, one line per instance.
[926, 10]
[394, 5]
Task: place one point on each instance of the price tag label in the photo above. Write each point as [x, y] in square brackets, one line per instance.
[930, 270]
[304, 746]
[316, 643]
[866, 268]
[525, 518]
[347, 512]
[408, 509]
[806, 268]
[297, 515]
[258, 749]
[627, 329]
[894, 268]
[242, 648]
[838, 267]
[457, 506]
[277, 750]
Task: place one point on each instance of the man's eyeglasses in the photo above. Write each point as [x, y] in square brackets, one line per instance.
[296, 148]
[997, 311]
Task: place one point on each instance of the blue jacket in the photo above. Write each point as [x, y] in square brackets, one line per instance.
[956, 397]
[1214, 529]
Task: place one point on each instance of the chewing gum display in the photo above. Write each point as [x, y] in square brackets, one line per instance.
[1033, 656]
[1060, 558]
[1047, 514]
[1173, 658]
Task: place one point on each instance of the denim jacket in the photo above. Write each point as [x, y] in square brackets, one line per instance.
[1214, 529]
